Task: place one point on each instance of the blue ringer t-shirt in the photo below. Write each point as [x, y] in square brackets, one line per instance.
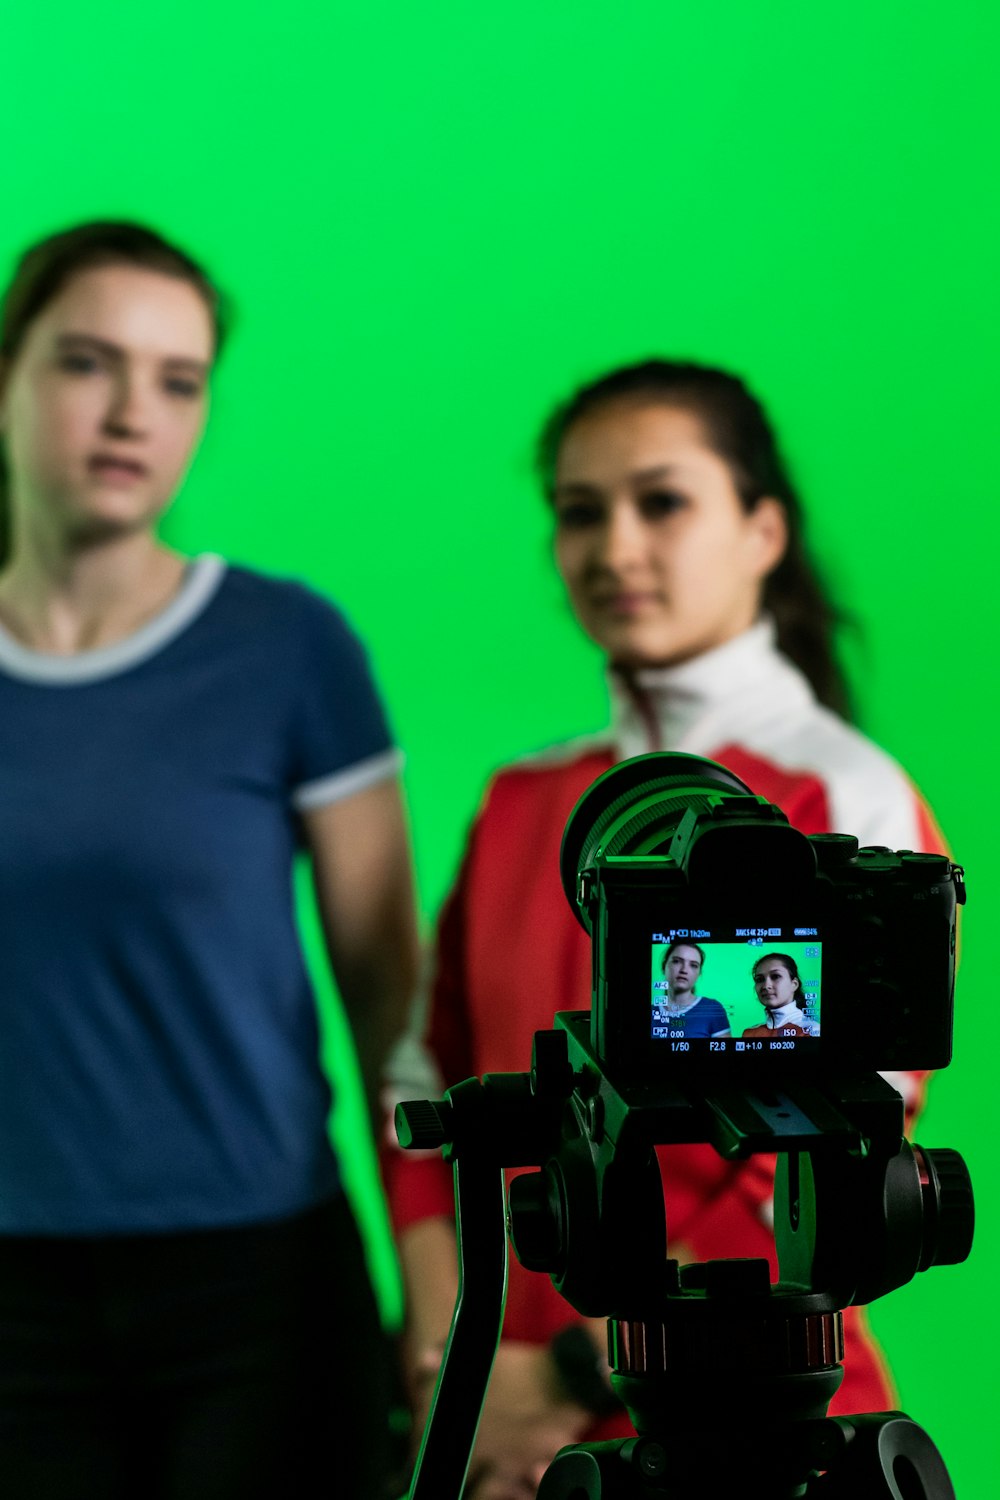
[159, 1051]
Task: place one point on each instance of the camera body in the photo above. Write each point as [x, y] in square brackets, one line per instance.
[798, 956]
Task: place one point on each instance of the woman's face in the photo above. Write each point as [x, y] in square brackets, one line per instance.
[103, 405]
[659, 558]
[774, 985]
[682, 970]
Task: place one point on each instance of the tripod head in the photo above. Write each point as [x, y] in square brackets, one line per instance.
[858, 1211]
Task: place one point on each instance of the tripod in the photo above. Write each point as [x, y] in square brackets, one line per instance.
[726, 1378]
[738, 1406]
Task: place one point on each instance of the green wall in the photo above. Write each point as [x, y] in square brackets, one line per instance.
[435, 220]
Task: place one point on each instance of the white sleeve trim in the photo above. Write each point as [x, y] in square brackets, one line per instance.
[341, 784]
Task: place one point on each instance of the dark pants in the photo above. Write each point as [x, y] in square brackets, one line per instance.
[214, 1365]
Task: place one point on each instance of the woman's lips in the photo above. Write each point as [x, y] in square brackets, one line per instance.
[626, 604]
[109, 466]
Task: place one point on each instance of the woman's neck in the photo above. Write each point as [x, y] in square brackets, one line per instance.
[681, 1002]
[65, 601]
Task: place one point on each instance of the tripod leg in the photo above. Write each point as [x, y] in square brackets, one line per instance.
[884, 1456]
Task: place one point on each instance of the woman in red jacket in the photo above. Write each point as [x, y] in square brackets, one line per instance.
[678, 535]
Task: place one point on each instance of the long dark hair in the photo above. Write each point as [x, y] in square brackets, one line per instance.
[45, 268]
[738, 430]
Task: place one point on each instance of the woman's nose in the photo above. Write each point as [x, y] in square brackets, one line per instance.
[128, 412]
[623, 539]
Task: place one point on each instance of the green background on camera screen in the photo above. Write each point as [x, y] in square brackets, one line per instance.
[727, 976]
[434, 221]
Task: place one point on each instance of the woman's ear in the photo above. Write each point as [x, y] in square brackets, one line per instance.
[768, 534]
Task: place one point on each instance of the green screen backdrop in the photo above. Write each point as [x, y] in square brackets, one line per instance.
[436, 220]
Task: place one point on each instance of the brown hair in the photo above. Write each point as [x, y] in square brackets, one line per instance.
[683, 943]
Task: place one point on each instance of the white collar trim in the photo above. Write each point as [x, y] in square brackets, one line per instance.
[198, 587]
[701, 704]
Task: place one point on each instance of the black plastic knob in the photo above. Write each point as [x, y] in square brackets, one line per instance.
[833, 849]
[423, 1124]
[535, 1221]
[949, 1207]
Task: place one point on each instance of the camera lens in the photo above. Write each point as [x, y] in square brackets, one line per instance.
[634, 809]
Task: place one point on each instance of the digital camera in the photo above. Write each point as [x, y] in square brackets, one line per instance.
[728, 944]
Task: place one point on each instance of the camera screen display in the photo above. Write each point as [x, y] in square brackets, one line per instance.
[736, 989]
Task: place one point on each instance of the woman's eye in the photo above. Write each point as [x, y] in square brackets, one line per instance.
[576, 515]
[78, 364]
[177, 386]
[661, 503]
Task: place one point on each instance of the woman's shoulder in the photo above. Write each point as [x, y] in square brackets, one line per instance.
[542, 788]
[571, 761]
[551, 760]
[823, 741]
[814, 758]
[284, 616]
[280, 597]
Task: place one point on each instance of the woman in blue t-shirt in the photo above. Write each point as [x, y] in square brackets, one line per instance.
[184, 1309]
[685, 1013]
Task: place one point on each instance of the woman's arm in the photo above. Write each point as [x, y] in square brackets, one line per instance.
[429, 1265]
[419, 1184]
[364, 888]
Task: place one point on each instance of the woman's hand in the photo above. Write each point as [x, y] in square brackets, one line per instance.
[429, 1264]
[524, 1424]
[526, 1420]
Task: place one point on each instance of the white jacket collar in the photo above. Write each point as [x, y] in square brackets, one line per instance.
[710, 701]
[787, 1015]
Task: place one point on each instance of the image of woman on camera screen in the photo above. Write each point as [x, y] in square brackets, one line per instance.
[779, 989]
[184, 1302]
[678, 534]
[685, 1013]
